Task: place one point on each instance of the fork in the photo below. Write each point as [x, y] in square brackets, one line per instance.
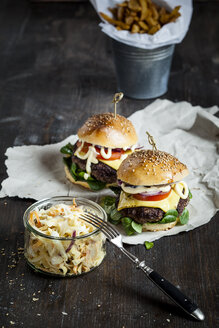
[165, 286]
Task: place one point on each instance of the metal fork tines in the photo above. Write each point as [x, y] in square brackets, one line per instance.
[111, 233]
[106, 228]
[165, 286]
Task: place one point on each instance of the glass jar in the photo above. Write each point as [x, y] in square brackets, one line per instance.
[64, 256]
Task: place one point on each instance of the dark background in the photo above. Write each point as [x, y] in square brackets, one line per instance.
[56, 69]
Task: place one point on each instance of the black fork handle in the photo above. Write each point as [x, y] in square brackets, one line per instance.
[173, 292]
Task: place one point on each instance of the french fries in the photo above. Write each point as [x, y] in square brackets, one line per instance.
[140, 16]
[144, 9]
[115, 22]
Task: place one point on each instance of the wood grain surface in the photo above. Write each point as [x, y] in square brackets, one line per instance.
[56, 69]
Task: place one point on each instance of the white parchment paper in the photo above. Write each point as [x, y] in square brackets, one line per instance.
[170, 33]
[189, 133]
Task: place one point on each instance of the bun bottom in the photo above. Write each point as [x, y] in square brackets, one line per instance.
[159, 227]
[70, 178]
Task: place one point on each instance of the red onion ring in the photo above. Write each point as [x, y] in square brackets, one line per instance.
[119, 149]
[153, 193]
[72, 242]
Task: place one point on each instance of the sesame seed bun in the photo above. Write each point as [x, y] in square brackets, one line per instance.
[70, 178]
[158, 227]
[151, 168]
[108, 131]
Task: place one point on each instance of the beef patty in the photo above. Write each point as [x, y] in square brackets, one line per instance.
[149, 214]
[99, 171]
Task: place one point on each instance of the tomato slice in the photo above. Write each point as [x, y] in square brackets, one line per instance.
[85, 147]
[116, 154]
[151, 198]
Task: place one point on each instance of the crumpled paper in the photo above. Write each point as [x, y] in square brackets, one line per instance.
[187, 132]
[170, 33]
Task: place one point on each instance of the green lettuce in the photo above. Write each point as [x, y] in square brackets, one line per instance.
[148, 244]
[67, 149]
[76, 172]
[184, 218]
[129, 225]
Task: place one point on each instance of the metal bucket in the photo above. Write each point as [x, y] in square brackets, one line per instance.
[142, 73]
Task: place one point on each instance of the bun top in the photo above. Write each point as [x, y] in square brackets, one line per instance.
[149, 168]
[108, 131]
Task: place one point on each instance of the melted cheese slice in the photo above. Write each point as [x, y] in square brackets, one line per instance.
[169, 203]
[115, 164]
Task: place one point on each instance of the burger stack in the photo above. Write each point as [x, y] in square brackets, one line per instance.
[152, 195]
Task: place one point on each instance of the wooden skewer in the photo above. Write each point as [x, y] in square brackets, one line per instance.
[116, 99]
[151, 141]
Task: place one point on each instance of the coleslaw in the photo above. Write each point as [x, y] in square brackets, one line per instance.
[71, 246]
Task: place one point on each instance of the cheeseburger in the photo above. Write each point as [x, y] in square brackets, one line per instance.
[152, 191]
[104, 141]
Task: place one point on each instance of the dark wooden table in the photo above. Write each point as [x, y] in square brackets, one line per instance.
[56, 70]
